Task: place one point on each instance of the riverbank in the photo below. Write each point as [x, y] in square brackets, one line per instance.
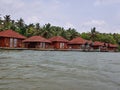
[38, 49]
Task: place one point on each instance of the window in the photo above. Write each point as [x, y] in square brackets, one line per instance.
[15, 42]
[62, 45]
[83, 46]
[11, 42]
[42, 45]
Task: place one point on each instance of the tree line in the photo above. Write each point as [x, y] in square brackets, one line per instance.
[48, 31]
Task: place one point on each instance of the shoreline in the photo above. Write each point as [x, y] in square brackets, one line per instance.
[38, 49]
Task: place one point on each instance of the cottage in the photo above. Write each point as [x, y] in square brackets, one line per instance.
[11, 39]
[36, 42]
[79, 43]
[112, 47]
[99, 46]
[58, 42]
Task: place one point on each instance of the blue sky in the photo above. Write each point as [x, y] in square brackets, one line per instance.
[79, 14]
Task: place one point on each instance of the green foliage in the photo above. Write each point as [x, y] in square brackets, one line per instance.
[85, 36]
[48, 31]
[71, 33]
[107, 38]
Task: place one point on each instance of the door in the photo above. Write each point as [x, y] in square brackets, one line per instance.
[15, 42]
[62, 45]
[11, 42]
[42, 45]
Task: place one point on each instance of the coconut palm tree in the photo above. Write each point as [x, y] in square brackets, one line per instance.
[21, 26]
[93, 34]
[37, 29]
[46, 31]
[1, 23]
[7, 21]
[13, 25]
[30, 30]
[72, 33]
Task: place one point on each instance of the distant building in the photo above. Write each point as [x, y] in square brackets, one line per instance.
[77, 43]
[58, 42]
[112, 47]
[99, 46]
[36, 42]
[11, 39]
[80, 43]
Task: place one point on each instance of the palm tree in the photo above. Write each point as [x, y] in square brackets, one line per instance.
[47, 31]
[13, 25]
[30, 30]
[21, 26]
[93, 34]
[56, 30]
[20, 22]
[1, 23]
[37, 29]
[7, 20]
[64, 34]
[72, 33]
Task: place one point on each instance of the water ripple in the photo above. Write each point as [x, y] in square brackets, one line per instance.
[48, 70]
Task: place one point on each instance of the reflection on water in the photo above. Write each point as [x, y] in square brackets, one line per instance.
[52, 70]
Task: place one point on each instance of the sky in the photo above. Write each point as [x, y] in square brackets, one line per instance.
[79, 14]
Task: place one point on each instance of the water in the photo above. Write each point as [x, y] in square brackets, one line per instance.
[54, 70]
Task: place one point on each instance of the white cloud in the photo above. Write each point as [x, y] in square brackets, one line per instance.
[30, 11]
[60, 13]
[69, 25]
[100, 25]
[93, 23]
[32, 19]
[11, 4]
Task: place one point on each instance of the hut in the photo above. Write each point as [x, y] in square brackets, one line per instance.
[99, 46]
[112, 47]
[36, 42]
[58, 42]
[11, 39]
[79, 43]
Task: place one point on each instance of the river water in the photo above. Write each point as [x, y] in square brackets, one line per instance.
[58, 70]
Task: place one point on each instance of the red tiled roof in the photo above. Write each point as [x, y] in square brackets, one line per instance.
[89, 41]
[11, 33]
[97, 43]
[58, 39]
[112, 45]
[78, 40]
[36, 39]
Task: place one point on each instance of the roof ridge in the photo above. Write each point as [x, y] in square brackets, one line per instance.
[11, 33]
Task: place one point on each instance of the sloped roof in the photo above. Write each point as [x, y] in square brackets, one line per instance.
[89, 41]
[58, 39]
[112, 45]
[78, 40]
[97, 43]
[11, 33]
[36, 39]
